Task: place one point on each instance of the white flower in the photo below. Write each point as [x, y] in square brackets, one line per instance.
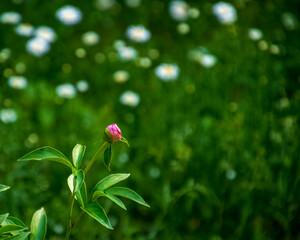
[90, 38]
[105, 4]
[138, 33]
[69, 15]
[10, 18]
[118, 44]
[17, 82]
[37, 46]
[255, 34]
[127, 53]
[121, 76]
[24, 29]
[8, 115]
[179, 10]
[208, 60]
[66, 90]
[167, 72]
[130, 98]
[82, 86]
[45, 33]
[225, 12]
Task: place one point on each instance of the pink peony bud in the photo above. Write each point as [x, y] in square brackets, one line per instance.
[112, 133]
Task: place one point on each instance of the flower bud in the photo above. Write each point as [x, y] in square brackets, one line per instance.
[112, 133]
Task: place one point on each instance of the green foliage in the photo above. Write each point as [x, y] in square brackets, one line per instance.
[127, 193]
[77, 155]
[111, 180]
[107, 156]
[46, 154]
[3, 188]
[38, 225]
[97, 212]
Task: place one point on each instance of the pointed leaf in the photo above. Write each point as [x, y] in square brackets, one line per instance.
[20, 236]
[77, 155]
[16, 221]
[47, 153]
[97, 212]
[116, 201]
[11, 228]
[124, 140]
[3, 187]
[111, 180]
[107, 157]
[3, 217]
[75, 182]
[127, 193]
[98, 194]
[81, 196]
[38, 225]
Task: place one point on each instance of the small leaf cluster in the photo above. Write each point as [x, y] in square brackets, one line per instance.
[76, 181]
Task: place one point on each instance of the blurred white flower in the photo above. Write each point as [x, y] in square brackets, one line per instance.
[144, 62]
[194, 13]
[138, 33]
[45, 33]
[183, 28]
[66, 90]
[167, 72]
[289, 21]
[121, 76]
[38, 46]
[208, 60]
[225, 12]
[230, 174]
[90, 38]
[133, 3]
[82, 86]
[69, 15]
[8, 115]
[25, 29]
[105, 4]
[127, 53]
[17, 82]
[10, 18]
[130, 98]
[255, 34]
[118, 44]
[179, 10]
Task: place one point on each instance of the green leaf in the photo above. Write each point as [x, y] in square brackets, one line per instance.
[127, 193]
[107, 157]
[20, 236]
[38, 225]
[116, 201]
[75, 182]
[111, 180]
[97, 212]
[77, 155]
[47, 153]
[16, 221]
[113, 198]
[81, 196]
[124, 140]
[3, 187]
[3, 217]
[11, 228]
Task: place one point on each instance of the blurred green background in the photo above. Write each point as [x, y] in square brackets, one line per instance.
[215, 152]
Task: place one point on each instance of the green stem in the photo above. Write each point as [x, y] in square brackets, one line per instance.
[69, 225]
[90, 164]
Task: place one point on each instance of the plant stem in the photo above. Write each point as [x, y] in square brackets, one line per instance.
[90, 164]
[69, 224]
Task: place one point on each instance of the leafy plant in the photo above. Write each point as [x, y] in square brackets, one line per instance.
[12, 228]
[76, 181]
